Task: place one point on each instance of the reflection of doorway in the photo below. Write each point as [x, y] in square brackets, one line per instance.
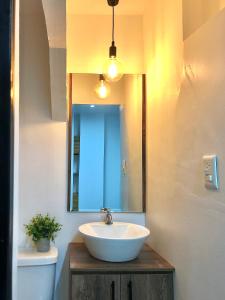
[97, 163]
[6, 151]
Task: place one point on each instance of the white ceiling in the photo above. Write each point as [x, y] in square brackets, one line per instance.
[100, 7]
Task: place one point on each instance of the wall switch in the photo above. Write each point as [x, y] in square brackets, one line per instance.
[210, 163]
[124, 166]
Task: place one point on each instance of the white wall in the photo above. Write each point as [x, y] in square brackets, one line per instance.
[89, 39]
[197, 12]
[43, 142]
[55, 19]
[187, 221]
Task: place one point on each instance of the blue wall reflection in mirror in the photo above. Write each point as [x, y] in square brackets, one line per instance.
[96, 167]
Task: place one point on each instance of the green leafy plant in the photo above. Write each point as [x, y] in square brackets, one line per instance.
[42, 226]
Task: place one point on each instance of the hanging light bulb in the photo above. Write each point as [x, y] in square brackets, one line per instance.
[113, 68]
[102, 89]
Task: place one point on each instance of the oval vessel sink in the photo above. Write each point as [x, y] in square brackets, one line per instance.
[115, 243]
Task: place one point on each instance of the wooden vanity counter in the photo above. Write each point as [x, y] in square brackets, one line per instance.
[148, 277]
[147, 261]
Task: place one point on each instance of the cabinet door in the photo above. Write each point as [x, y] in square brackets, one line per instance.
[147, 287]
[95, 287]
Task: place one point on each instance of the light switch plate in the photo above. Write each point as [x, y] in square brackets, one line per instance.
[210, 164]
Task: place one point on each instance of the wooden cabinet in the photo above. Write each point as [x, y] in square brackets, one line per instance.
[95, 286]
[147, 287]
[149, 277]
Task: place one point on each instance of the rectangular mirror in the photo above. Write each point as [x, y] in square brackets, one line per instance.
[106, 145]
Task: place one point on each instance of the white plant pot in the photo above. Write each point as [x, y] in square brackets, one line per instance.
[43, 245]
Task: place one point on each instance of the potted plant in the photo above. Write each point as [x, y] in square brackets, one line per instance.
[42, 229]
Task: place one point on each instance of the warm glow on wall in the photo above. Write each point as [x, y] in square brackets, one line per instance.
[164, 60]
[88, 40]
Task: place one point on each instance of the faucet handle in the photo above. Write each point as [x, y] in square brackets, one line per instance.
[106, 210]
[108, 218]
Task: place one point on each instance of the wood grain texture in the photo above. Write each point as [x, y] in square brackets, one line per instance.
[147, 286]
[148, 261]
[69, 133]
[95, 287]
[144, 143]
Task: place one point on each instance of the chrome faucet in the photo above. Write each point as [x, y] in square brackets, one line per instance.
[108, 217]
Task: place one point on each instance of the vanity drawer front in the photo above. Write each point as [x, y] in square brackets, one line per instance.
[147, 286]
[95, 287]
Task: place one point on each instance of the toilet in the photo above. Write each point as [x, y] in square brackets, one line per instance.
[36, 274]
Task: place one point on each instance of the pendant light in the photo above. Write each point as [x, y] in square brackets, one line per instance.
[102, 89]
[113, 68]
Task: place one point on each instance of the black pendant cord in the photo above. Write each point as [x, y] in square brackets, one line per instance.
[113, 24]
[112, 49]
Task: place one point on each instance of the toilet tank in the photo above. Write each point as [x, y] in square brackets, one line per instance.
[36, 274]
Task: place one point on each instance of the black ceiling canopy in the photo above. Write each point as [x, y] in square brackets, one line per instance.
[113, 2]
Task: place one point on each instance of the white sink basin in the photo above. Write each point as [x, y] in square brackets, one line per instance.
[116, 243]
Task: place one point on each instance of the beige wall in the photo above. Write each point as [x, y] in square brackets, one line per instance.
[89, 38]
[197, 12]
[100, 7]
[187, 221]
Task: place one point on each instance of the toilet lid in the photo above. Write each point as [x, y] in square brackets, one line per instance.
[30, 257]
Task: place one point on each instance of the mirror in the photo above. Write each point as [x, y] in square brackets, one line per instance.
[106, 145]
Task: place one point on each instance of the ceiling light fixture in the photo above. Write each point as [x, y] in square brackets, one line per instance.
[102, 89]
[113, 68]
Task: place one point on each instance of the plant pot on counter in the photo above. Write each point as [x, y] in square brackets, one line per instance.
[43, 245]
